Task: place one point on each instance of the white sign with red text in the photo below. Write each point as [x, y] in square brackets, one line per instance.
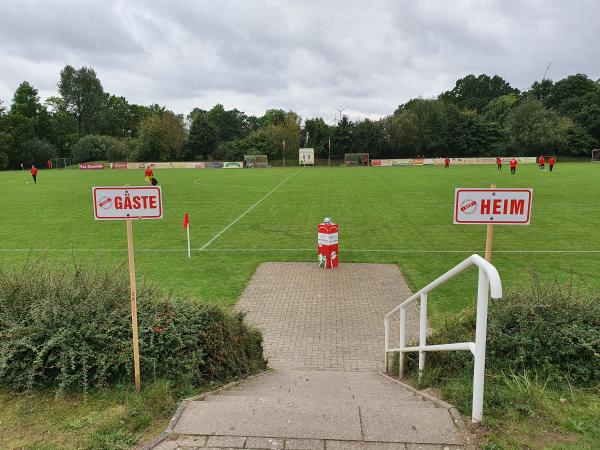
[499, 206]
[127, 202]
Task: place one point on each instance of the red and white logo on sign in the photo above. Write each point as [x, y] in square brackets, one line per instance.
[131, 202]
[500, 206]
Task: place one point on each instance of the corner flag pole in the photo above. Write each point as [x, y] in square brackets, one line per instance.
[186, 224]
[489, 237]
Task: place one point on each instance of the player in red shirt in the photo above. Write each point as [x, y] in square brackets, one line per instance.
[513, 166]
[34, 173]
[551, 162]
[542, 162]
[149, 174]
[447, 163]
[499, 162]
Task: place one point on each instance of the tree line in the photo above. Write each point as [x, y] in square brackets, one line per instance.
[481, 115]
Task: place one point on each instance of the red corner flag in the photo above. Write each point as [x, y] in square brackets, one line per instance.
[186, 225]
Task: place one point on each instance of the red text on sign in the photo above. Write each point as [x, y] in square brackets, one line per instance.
[135, 202]
[499, 206]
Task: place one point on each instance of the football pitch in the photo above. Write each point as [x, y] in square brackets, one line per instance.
[240, 218]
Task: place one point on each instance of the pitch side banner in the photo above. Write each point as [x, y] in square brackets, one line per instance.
[127, 202]
[499, 206]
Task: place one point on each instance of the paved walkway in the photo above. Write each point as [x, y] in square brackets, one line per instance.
[315, 319]
[323, 333]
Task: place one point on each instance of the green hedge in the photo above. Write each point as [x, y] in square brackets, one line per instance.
[549, 329]
[70, 328]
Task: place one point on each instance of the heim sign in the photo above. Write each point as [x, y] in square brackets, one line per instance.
[127, 202]
[492, 206]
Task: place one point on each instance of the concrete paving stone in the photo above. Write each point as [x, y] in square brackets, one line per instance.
[344, 445]
[166, 445]
[423, 447]
[304, 444]
[225, 441]
[361, 445]
[426, 426]
[384, 446]
[191, 441]
[264, 443]
[239, 419]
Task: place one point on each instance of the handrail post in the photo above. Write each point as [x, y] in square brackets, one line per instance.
[480, 337]
[402, 342]
[386, 339]
[422, 332]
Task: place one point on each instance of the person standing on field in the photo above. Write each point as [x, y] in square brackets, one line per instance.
[513, 166]
[447, 163]
[499, 162]
[542, 162]
[149, 174]
[34, 173]
[551, 162]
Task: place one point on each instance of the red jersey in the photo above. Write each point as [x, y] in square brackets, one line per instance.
[513, 163]
[447, 161]
[551, 161]
[542, 160]
[149, 172]
[498, 160]
[34, 171]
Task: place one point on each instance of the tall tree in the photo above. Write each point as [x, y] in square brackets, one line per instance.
[161, 138]
[473, 92]
[230, 124]
[318, 133]
[202, 139]
[83, 95]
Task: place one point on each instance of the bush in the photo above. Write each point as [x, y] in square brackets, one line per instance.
[548, 329]
[71, 329]
[95, 147]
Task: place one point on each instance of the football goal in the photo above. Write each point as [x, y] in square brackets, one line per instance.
[60, 163]
[256, 161]
[596, 155]
[356, 159]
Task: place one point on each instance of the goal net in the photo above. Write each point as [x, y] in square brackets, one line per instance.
[256, 161]
[596, 155]
[60, 163]
[356, 159]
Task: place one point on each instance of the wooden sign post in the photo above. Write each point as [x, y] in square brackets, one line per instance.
[489, 237]
[129, 203]
[492, 207]
[134, 319]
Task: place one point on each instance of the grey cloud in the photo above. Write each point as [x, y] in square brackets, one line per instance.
[305, 56]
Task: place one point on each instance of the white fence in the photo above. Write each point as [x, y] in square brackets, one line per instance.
[489, 280]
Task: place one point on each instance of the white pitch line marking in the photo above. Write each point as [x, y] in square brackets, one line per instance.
[216, 236]
[241, 250]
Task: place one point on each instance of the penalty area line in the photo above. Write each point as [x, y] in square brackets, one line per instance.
[216, 236]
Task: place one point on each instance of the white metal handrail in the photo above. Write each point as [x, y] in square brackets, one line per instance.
[488, 283]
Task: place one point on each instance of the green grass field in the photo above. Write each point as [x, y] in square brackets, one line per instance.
[400, 215]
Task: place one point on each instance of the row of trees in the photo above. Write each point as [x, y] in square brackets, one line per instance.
[481, 115]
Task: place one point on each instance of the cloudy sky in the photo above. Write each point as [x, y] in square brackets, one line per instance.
[307, 56]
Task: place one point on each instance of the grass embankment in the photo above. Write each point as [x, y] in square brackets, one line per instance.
[66, 371]
[543, 368]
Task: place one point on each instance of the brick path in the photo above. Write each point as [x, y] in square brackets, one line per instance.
[316, 319]
[323, 335]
